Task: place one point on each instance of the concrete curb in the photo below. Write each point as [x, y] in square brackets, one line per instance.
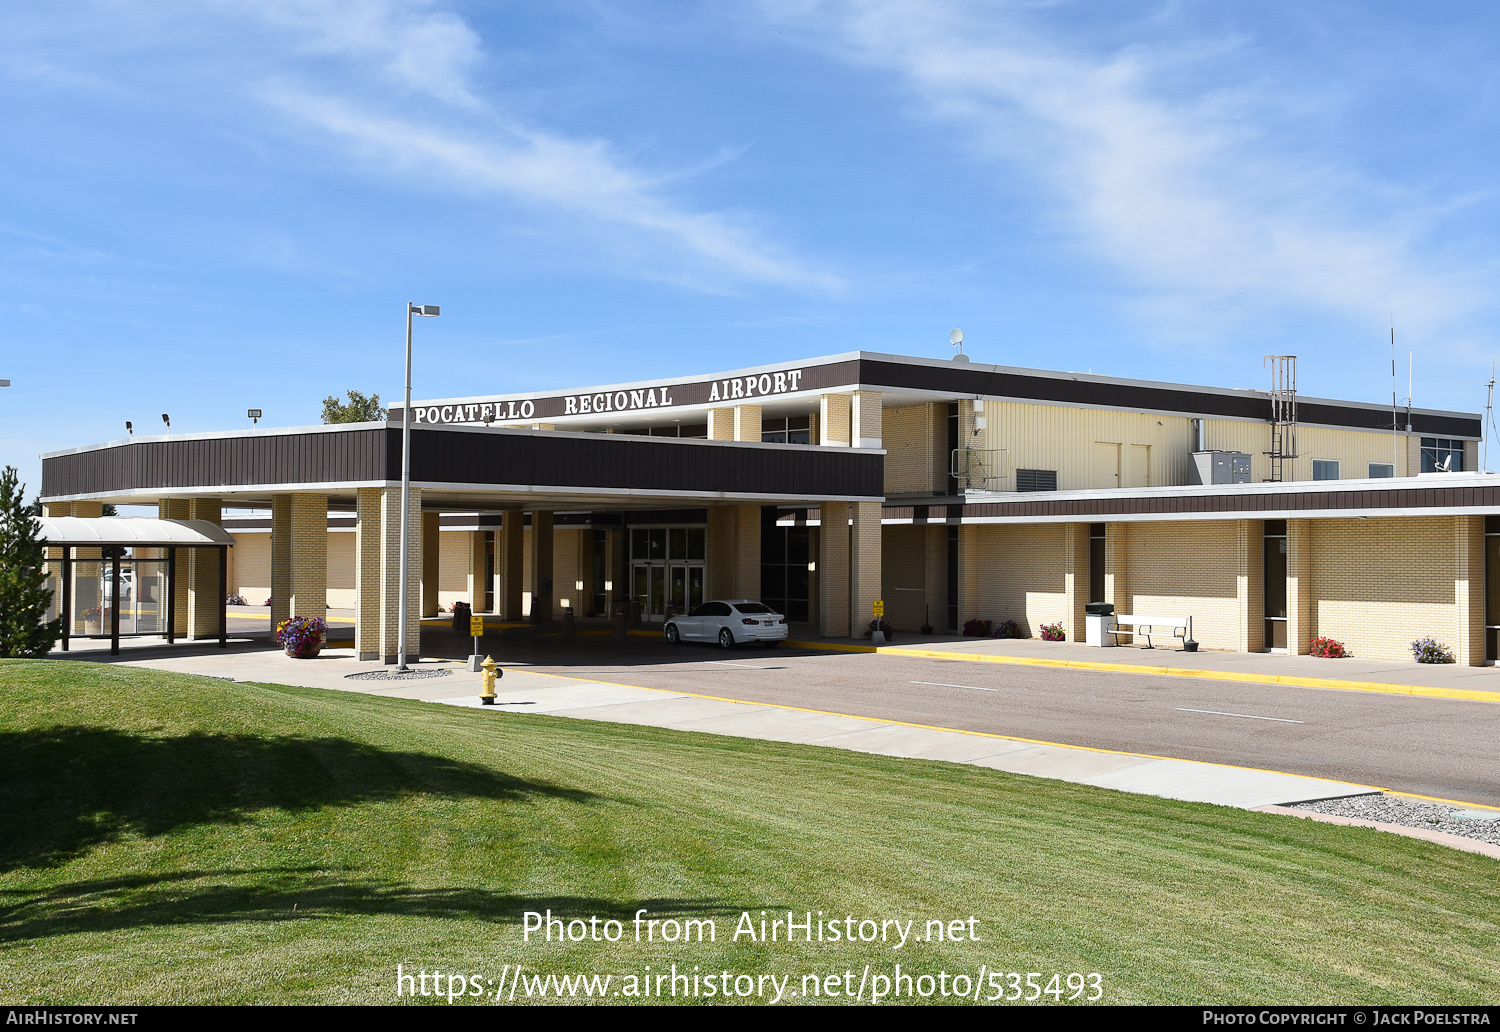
[1467, 694]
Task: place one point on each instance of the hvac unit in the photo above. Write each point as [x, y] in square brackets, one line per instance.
[1219, 467]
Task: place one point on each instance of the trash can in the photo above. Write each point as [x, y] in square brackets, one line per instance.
[1097, 618]
[461, 612]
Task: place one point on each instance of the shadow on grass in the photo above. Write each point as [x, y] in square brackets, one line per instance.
[64, 790]
[295, 894]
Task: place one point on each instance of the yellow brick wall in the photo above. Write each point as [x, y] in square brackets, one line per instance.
[1020, 575]
[341, 560]
[909, 449]
[1379, 584]
[453, 568]
[1188, 569]
[903, 574]
[251, 575]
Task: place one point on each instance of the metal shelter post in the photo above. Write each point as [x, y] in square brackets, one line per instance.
[223, 596]
[67, 595]
[171, 596]
[114, 604]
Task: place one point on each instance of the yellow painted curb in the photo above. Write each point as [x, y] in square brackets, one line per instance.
[1468, 694]
[832, 646]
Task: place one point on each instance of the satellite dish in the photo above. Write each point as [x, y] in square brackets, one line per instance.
[957, 337]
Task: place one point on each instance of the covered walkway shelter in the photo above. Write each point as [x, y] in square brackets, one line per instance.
[99, 593]
[524, 476]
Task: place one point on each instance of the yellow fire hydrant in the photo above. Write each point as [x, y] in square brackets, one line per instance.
[491, 671]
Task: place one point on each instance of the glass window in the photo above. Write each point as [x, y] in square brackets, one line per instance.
[677, 543]
[1442, 455]
[1382, 469]
[1325, 469]
[695, 543]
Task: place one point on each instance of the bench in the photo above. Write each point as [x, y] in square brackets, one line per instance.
[1181, 627]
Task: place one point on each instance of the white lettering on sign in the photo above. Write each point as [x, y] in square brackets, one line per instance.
[750, 386]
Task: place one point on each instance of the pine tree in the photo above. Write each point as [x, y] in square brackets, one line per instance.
[24, 596]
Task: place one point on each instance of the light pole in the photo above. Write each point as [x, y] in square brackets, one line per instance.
[411, 310]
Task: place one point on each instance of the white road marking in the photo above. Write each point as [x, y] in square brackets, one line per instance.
[940, 684]
[1247, 716]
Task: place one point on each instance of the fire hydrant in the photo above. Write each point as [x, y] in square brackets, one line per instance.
[491, 671]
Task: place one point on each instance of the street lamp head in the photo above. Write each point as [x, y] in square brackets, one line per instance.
[130, 428]
[167, 420]
[427, 310]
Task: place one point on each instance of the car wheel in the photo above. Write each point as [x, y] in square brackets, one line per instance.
[672, 636]
[726, 638]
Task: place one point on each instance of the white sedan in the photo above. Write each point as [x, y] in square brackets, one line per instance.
[729, 622]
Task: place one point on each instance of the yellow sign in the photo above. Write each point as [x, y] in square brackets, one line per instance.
[879, 608]
[476, 626]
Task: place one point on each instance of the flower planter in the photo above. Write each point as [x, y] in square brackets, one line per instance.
[306, 651]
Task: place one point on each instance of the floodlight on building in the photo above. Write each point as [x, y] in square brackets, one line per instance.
[130, 428]
[254, 415]
[167, 420]
[427, 311]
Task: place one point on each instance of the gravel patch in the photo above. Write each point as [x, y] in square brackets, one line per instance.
[419, 674]
[1388, 809]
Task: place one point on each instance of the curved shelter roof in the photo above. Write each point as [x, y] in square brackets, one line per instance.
[132, 530]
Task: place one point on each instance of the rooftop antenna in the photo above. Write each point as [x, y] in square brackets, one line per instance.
[1283, 412]
[1489, 415]
[1395, 422]
[957, 339]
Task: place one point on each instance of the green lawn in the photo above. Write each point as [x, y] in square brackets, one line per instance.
[173, 839]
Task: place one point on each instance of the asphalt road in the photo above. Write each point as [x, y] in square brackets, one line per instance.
[1435, 747]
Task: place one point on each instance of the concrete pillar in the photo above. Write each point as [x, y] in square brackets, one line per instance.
[935, 561]
[747, 423]
[542, 593]
[299, 556]
[833, 569]
[1468, 590]
[833, 420]
[1116, 563]
[392, 625]
[1075, 557]
[618, 589]
[477, 554]
[1301, 626]
[510, 562]
[968, 575]
[431, 527]
[747, 550]
[1250, 540]
[369, 558]
[864, 565]
[205, 591]
[281, 559]
[866, 419]
[721, 424]
[170, 509]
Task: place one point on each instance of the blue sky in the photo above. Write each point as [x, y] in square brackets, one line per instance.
[210, 206]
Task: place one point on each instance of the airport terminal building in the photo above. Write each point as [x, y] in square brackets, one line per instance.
[948, 490]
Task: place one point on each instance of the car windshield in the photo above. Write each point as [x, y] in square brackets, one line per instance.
[753, 607]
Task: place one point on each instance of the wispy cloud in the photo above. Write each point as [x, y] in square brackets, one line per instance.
[561, 174]
[1183, 192]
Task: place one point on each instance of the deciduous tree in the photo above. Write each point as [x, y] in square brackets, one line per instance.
[359, 409]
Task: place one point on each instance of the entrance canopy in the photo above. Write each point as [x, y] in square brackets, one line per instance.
[133, 532]
[96, 591]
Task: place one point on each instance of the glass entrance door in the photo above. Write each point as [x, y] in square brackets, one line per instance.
[685, 589]
[650, 588]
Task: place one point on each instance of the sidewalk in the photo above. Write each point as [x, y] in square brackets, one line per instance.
[530, 691]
